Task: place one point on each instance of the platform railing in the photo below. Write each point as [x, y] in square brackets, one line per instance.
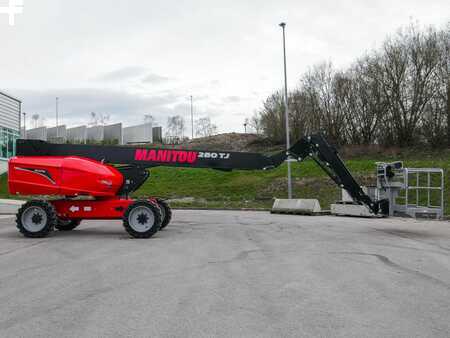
[412, 191]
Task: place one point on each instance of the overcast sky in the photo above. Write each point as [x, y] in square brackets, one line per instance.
[127, 58]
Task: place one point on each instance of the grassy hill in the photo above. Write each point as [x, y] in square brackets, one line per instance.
[256, 189]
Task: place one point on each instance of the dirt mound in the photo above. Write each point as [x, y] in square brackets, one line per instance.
[232, 142]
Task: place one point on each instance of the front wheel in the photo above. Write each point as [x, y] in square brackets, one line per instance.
[36, 218]
[142, 219]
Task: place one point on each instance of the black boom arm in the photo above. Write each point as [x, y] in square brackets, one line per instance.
[314, 146]
[326, 156]
[152, 157]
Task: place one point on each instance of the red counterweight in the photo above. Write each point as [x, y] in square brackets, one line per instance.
[65, 176]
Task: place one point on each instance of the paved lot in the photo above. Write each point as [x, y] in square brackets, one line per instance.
[218, 273]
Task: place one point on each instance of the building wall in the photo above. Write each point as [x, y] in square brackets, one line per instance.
[142, 133]
[57, 135]
[77, 134]
[95, 133]
[39, 133]
[138, 134]
[113, 132]
[10, 110]
[157, 134]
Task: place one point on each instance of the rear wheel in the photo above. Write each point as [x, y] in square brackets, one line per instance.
[142, 219]
[166, 212]
[67, 224]
[36, 218]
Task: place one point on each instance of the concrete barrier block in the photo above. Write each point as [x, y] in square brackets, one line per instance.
[351, 210]
[10, 207]
[296, 206]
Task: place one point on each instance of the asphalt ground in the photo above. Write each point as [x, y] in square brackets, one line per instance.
[229, 274]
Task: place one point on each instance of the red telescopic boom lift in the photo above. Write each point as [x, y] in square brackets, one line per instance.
[94, 182]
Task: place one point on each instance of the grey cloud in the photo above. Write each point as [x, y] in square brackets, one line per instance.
[154, 78]
[76, 105]
[232, 99]
[133, 72]
[124, 73]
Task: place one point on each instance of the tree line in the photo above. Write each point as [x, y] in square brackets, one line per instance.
[176, 126]
[396, 95]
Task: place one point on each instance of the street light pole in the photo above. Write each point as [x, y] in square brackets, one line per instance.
[24, 125]
[192, 120]
[56, 110]
[286, 113]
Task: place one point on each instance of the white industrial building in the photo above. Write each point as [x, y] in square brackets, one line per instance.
[77, 134]
[95, 133]
[10, 113]
[57, 134]
[138, 134]
[157, 134]
[39, 133]
[113, 133]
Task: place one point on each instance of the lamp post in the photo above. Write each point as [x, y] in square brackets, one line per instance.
[286, 113]
[192, 120]
[24, 125]
[56, 111]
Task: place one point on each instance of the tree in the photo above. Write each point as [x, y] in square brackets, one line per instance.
[398, 95]
[272, 117]
[300, 119]
[408, 66]
[175, 127]
[204, 127]
[444, 76]
[364, 102]
[98, 119]
[321, 89]
[255, 123]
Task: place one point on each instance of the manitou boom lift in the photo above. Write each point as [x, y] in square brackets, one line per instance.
[96, 181]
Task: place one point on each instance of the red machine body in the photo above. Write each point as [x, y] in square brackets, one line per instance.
[65, 176]
[69, 177]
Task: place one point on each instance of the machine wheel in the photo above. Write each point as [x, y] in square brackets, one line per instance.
[67, 224]
[36, 218]
[142, 219]
[166, 212]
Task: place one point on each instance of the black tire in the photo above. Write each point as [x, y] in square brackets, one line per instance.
[36, 218]
[142, 219]
[166, 212]
[67, 225]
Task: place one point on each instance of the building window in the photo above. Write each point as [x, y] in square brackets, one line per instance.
[8, 139]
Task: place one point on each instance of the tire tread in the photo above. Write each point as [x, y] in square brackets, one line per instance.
[149, 233]
[52, 218]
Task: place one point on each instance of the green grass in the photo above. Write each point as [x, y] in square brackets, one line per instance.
[256, 189]
[4, 186]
